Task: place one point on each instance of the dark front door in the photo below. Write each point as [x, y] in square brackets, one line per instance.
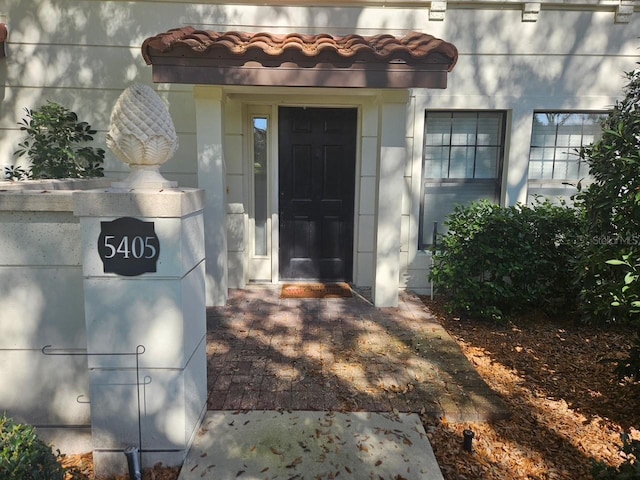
[317, 149]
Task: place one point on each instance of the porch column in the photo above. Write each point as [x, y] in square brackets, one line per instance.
[212, 179]
[390, 172]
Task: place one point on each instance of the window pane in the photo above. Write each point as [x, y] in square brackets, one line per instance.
[440, 200]
[487, 162]
[463, 129]
[463, 145]
[541, 163]
[260, 184]
[569, 135]
[463, 152]
[566, 169]
[438, 129]
[555, 139]
[461, 163]
[575, 139]
[436, 162]
[489, 129]
[566, 165]
[544, 136]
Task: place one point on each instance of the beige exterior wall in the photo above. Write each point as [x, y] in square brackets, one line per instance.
[570, 55]
[42, 303]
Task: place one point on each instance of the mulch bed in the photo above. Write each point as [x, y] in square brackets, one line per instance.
[82, 466]
[568, 407]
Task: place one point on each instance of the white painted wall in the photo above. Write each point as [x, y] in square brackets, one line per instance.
[366, 194]
[237, 172]
[42, 303]
[567, 60]
[211, 178]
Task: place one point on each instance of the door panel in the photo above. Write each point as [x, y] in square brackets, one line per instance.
[317, 180]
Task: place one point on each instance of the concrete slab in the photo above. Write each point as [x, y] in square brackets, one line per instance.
[310, 445]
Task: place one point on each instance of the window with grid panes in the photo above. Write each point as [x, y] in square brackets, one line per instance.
[555, 138]
[462, 162]
[555, 167]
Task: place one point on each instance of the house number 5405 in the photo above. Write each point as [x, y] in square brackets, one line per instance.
[128, 246]
[137, 247]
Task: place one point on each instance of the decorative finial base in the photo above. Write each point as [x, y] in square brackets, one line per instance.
[145, 176]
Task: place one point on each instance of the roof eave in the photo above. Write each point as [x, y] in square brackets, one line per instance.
[369, 76]
[197, 57]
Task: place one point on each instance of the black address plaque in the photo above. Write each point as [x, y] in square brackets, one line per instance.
[128, 246]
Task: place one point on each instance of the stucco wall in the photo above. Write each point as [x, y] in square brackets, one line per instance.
[42, 303]
[567, 60]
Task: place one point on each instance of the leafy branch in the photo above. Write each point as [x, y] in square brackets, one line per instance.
[54, 145]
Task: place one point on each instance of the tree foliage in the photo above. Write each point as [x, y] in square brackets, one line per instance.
[608, 278]
[610, 267]
[55, 145]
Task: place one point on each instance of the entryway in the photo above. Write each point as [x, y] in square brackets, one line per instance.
[279, 370]
[317, 159]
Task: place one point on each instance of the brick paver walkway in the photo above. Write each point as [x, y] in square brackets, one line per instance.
[339, 354]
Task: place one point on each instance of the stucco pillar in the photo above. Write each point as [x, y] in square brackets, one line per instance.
[212, 179]
[145, 315]
[390, 172]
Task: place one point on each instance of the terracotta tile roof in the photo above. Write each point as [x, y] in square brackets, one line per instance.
[187, 55]
[274, 49]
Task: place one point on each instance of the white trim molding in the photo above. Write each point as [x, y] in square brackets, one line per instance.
[530, 11]
[437, 11]
[624, 10]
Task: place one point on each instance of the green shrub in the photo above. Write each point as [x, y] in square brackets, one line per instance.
[54, 144]
[628, 470]
[600, 282]
[496, 261]
[612, 208]
[23, 456]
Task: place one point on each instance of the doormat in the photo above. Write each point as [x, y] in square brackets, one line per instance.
[315, 290]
